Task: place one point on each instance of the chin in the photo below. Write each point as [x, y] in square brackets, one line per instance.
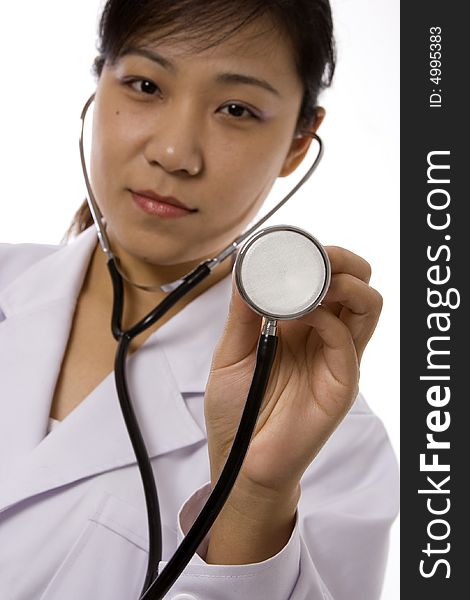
[155, 251]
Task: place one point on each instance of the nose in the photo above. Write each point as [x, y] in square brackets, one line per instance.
[175, 143]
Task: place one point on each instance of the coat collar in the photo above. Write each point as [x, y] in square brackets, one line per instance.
[39, 307]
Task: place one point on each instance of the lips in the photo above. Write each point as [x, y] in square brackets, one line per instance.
[162, 199]
[161, 207]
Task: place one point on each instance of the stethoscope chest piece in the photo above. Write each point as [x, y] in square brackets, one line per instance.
[282, 272]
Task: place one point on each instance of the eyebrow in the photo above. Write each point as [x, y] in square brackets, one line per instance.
[221, 78]
[151, 55]
[248, 80]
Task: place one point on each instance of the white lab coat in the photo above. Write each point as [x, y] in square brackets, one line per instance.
[72, 515]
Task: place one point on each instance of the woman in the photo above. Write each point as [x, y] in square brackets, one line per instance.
[199, 107]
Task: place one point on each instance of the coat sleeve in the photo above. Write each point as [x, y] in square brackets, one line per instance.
[338, 549]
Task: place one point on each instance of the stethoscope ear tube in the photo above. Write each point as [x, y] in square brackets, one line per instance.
[265, 354]
[100, 225]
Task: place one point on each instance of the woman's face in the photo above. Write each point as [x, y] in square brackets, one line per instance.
[211, 129]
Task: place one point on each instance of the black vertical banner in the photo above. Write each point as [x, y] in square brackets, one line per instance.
[435, 328]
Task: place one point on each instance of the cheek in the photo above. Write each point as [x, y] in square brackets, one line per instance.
[111, 149]
[244, 172]
[238, 188]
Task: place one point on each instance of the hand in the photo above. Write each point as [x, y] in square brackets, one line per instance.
[313, 383]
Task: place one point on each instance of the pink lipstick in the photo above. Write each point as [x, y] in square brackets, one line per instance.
[165, 207]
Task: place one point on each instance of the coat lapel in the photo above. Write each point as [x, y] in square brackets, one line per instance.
[93, 438]
[38, 308]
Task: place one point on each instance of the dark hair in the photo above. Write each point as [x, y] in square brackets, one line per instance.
[205, 23]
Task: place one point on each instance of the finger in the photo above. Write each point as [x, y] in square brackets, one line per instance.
[361, 307]
[241, 332]
[345, 261]
[338, 347]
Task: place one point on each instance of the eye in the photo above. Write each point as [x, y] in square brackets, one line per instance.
[143, 86]
[239, 111]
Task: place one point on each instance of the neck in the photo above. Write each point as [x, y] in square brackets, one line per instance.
[139, 302]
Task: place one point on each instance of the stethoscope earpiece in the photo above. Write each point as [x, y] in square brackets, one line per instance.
[282, 272]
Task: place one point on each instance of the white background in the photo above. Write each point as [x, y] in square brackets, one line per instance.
[46, 51]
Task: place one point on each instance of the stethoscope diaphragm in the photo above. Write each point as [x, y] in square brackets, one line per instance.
[282, 272]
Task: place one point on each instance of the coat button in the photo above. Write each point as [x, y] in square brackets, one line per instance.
[184, 597]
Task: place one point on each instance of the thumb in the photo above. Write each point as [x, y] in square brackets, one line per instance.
[241, 332]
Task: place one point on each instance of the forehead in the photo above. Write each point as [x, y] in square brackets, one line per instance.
[259, 42]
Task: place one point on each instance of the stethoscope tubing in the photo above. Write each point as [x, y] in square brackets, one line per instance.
[124, 338]
[226, 252]
[265, 355]
[155, 586]
[143, 462]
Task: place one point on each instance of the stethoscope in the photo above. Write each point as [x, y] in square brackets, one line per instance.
[282, 272]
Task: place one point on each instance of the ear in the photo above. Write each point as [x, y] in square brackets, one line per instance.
[301, 144]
